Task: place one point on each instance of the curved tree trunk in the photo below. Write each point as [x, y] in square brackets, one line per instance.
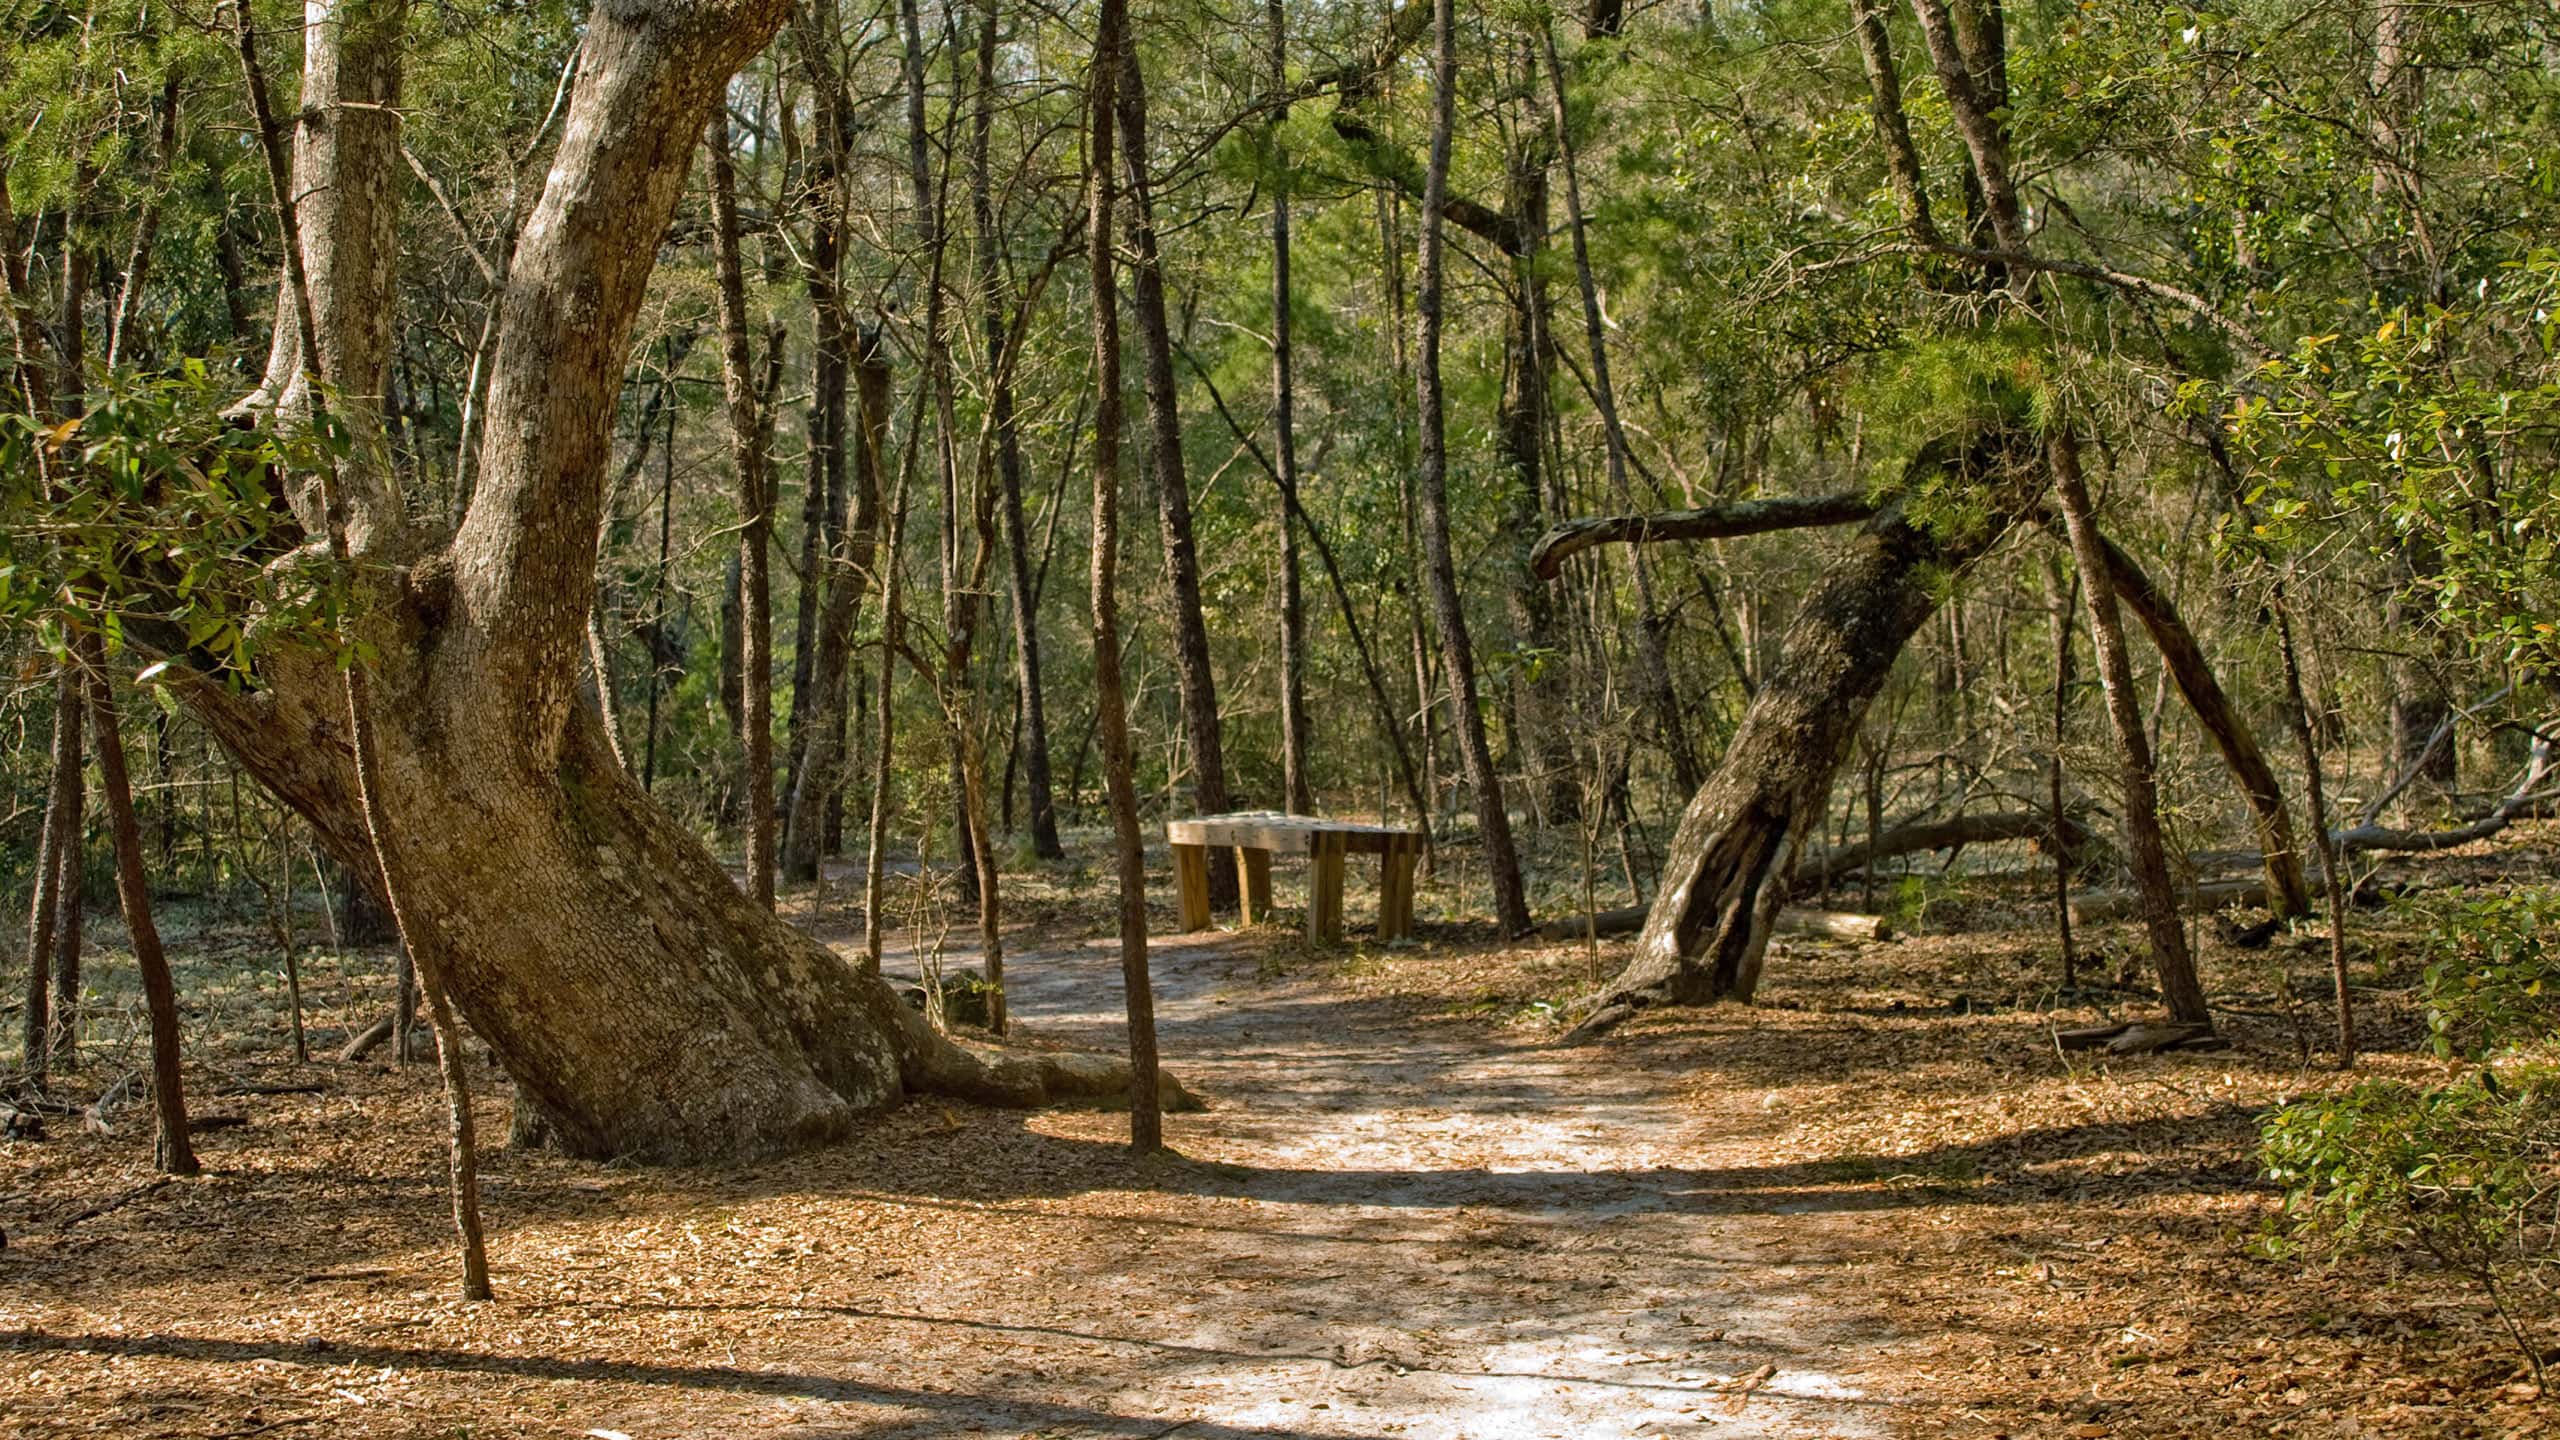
[1725, 877]
[645, 1006]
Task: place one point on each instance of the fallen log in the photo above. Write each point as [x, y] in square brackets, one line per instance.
[1816, 871]
[367, 1040]
[1628, 919]
[2099, 906]
[2138, 1037]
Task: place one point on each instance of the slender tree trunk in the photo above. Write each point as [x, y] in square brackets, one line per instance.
[1297, 790]
[1542, 745]
[70, 929]
[1653, 666]
[177, 1154]
[1194, 680]
[1893, 127]
[2330, 880]
[755, 502]
[2061, 599]
[2183, 660]
[1034, 746]
[137, 268]
[893, 618]
[2144, 845]
[1466, 715]
[1977, 121]
[44, 908]
[1111, 61]
[845, 575]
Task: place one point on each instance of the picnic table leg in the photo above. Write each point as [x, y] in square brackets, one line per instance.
[1254, 865]
[1191, 875]
[1395, 892]
[1324, 905]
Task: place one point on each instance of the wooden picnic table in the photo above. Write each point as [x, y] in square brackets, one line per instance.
[1256, 836]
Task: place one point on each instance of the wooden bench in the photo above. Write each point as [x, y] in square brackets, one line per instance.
[1257, 836]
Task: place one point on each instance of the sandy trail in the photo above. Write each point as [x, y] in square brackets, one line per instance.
[1408, 1225]
[1394, 1221]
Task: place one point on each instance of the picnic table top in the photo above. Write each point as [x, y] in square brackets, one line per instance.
[1271, 830]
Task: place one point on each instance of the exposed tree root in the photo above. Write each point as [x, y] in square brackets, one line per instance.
[932, 1063]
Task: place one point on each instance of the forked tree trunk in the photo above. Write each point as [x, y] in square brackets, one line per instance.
[646, 1008]
[1725, 877]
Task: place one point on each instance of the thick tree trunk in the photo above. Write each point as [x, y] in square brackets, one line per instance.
[2143, 844]
[1466, 713]
[1193, 679]
[645, 1007]
[1725, 877]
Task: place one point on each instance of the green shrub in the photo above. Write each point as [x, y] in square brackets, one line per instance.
[2492, 977]
[2465, 1170]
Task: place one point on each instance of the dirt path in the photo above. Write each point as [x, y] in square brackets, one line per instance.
[1394, 1222]
[1405, 1225]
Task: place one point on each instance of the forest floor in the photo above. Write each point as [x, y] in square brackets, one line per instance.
[1881, 1203]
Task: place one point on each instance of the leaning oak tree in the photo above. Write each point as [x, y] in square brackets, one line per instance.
[645, 1007]
[1726, 875]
